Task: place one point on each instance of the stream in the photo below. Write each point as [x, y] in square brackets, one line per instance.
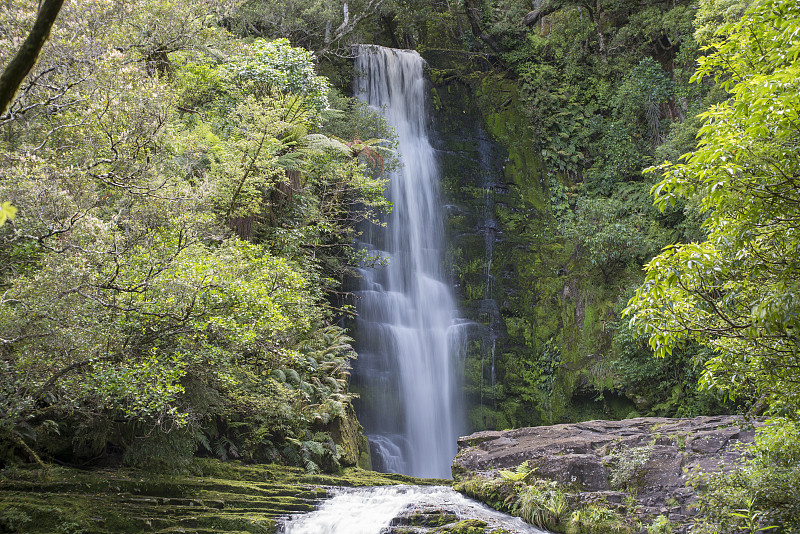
[385, 510]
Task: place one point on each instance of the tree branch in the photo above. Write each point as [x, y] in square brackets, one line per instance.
[22, 63]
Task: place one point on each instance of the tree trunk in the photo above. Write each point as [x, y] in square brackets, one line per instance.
[598, 15]
[22, 63]
[473, 15]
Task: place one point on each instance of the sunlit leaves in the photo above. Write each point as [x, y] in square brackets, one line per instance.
[738, 292]
[272, 66]
[7, 211]
[149, 136]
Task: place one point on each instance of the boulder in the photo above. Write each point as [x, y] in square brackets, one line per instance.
[647, 457]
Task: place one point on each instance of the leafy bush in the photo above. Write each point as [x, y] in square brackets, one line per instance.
[762, 493]
[597, 519]
[13, 519]
[543, 504]
[630, 467]
[278, 66]
[661, 525]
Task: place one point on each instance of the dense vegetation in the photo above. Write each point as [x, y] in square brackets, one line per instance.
[180, 188]
[186, 203]
[599, 92]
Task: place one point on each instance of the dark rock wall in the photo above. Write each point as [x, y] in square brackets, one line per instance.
[542, 321]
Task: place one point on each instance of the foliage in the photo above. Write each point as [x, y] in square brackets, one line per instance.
[522, 473]
[535, 374]
[328, 27]
[582, 99]
[612, 234]
[759, 496]
[663, 387]
[661, 525]
[542, 504]
[276, 66]
[736, 292]
[630, 467]
[597, 519]
[7, 211]
[712, 14]
[180, 232]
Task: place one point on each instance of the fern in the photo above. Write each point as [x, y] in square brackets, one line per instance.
[522, 473]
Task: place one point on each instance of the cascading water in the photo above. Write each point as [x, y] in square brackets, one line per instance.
[489, 312]
[407, 332]
[375, 510]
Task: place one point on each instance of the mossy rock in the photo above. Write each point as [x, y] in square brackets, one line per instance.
[426, 519]
[215, 497]
[467, 526]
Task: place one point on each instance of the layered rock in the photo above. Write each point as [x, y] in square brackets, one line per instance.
[648, 458]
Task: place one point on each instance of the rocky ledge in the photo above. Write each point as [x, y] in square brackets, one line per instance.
[641, 466]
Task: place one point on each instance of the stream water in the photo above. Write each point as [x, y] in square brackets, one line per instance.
[375, 510]
[408, 334]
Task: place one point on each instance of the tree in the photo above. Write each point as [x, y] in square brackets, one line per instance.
[321, 26]
[739, 291]
[132, 318]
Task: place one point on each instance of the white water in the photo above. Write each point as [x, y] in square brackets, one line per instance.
[408, 333]
[369, 510]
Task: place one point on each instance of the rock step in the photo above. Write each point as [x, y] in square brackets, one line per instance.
[203, 504]
[261, 510]
[215, 521]
[273, 510]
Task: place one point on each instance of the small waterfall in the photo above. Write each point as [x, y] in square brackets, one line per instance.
[380, 510]
[489, 311]
[407, 332]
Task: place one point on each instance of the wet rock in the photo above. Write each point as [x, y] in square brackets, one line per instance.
[586, 470]
[424, 518]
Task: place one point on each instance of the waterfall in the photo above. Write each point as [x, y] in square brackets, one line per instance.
[407, 332]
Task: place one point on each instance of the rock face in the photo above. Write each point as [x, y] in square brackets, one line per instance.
[648, 457]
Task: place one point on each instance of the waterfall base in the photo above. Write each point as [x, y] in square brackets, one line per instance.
[397, 509]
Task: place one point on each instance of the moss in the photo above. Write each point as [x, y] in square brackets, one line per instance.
[429, 519]
[350, 441]
[467, 526]
[213, 496]
[508, 254]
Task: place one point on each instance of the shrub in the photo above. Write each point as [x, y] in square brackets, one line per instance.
[661, 525]
[597, 519]
[630, 467]
[543, 504]
[762, 493]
